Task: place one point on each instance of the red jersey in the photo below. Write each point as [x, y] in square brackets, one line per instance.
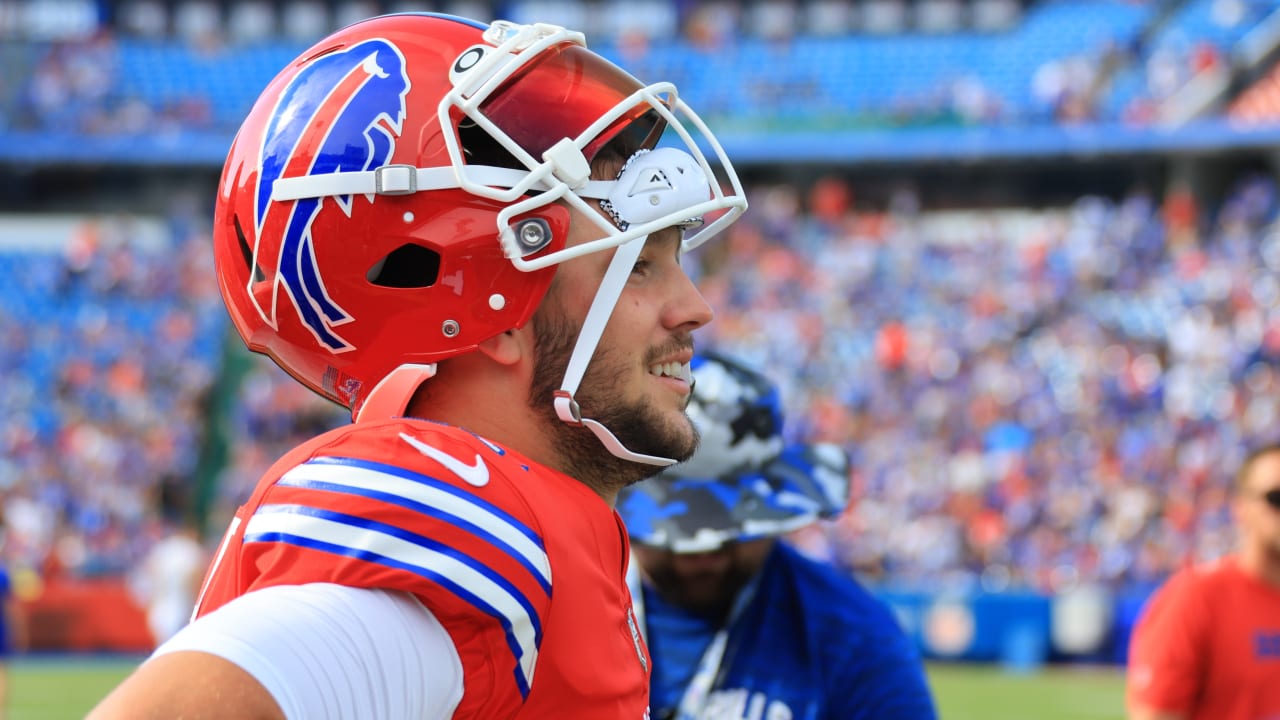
[524, 566]
[1208, 644]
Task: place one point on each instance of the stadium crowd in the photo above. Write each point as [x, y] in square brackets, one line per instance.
[109, 351]
[1033, 399]
[1115, 62]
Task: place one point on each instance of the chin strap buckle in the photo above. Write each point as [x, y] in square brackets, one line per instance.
[567, 408]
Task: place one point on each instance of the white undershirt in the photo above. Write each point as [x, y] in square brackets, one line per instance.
[330, 652]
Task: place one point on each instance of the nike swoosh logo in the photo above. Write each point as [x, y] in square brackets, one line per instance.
[476, 475]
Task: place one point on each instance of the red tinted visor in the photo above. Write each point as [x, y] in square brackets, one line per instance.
[561, 93]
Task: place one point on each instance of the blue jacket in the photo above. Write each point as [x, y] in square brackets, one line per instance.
[810, 644]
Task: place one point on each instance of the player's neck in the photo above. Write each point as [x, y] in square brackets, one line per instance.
[484, 398]
[491, 400]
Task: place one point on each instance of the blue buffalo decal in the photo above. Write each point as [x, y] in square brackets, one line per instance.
[348, 108]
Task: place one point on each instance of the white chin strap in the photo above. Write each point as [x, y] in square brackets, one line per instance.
[592, 328]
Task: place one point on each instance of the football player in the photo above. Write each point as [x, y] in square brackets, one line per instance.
[469, 235]
[739, 622]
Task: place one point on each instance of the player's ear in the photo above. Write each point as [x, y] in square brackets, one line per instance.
[506, 348]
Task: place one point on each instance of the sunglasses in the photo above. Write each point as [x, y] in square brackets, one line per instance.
[1272, 498]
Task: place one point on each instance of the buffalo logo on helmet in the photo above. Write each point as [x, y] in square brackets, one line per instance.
[330, 105]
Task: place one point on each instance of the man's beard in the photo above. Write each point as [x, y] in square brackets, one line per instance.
[638, 425]
[1273, 550]
[710, 595]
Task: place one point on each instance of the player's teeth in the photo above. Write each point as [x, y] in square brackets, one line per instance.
[671, 369]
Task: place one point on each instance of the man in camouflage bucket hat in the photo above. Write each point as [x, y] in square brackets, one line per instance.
[738, 622]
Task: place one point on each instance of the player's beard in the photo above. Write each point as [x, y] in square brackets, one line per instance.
[709, 593]
[639, 425]
[1271, 545]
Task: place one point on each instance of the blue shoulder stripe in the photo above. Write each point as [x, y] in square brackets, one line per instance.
[430, 497]
[390, 546]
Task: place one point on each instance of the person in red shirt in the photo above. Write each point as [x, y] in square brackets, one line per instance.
[1207, 646]
[468, 235]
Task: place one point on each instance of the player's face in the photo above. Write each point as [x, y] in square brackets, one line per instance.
[703, 583]
[1258, 520]
[629, 385]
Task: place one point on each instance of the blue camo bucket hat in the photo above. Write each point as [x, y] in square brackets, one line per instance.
[744, 482]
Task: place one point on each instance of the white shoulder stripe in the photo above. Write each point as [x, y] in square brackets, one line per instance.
[317, 529]
[360, 478]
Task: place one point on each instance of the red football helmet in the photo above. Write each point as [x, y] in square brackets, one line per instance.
[398, 194]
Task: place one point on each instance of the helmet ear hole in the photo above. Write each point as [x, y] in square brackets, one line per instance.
[408, 266]
[246, 253]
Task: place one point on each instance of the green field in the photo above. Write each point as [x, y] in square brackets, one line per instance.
[65, 689]
[61, 689]
[982, 692]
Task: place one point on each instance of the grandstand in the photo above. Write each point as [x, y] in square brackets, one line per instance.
[1019, 256]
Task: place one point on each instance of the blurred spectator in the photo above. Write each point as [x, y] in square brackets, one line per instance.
[168, 580]
[1206, 645]
[727, 609]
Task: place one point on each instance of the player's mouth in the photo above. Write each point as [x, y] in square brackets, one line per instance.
[674, 370]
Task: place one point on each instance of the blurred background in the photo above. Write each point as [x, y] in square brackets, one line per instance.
[1018, 256]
